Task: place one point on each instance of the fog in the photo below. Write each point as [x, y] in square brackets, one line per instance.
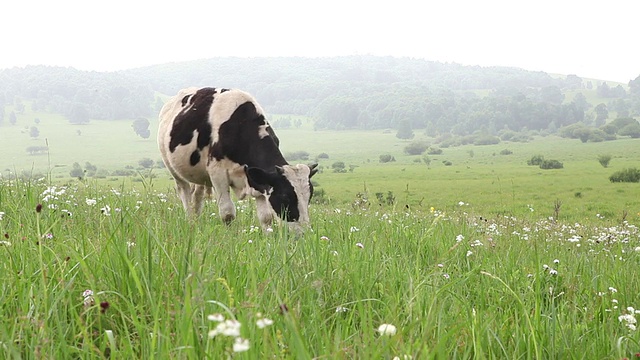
[567, 37]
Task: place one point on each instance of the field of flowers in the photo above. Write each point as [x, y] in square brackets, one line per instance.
[94, 271]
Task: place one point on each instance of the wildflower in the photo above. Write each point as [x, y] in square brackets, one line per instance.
[446, 276]
[1, 214]
[556, 261]
[360, 245]
[545, 266]
[354, 229]
[240, 345]
[459, 237]
[613, 290]
[88, 298]
[106, 210]
[229, 327]
[90, 202]
[629, 320]
[130, 244]
[341, 309]
[440, 266]
[263, 323]
[216, 317]
[5, 243]
[476, 243]
[325, 238]
[469, 253]
[48, 236]
[269, 230]
[432, 209]
[38, 208]
[461, 203]
[283, 308]
[553, 272]
[387, 329]
[104, 306]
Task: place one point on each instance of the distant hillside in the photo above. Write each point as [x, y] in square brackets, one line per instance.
[338, 92]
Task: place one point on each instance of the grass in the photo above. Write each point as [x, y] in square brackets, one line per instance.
[455, 285]
[466, 263]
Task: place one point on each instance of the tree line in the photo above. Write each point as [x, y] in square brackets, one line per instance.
[354, 92]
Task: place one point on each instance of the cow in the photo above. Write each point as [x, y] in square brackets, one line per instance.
[219, 138]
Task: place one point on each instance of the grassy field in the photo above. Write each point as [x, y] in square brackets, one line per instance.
[486, 258]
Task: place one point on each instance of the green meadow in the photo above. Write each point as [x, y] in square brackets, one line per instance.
[487, 258]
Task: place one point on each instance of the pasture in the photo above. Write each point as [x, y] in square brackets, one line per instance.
[472, 260]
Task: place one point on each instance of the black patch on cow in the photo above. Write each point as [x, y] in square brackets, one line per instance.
[195, 158]
[273, 135]
[240, 142]
[185, 100]
[194, 117]
[224, 90]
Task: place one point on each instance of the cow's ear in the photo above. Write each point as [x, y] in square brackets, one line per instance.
[259, 179]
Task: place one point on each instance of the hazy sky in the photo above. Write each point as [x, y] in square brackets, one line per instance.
[555, 36]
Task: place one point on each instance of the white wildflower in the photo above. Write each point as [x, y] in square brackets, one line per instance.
[91, 202]
[263, 323]
[459, 237]
[387, 329]
[354, 229]
[360, 245]
[216, 317]
[341, 309]
[240, 345]
[229, 327]
[469, 253]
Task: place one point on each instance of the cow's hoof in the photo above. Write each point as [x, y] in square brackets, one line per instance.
[228, 219]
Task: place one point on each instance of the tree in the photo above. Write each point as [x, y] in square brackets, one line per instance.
[404, 130]
[146, 163]
[632, 130]
[79, 114]
[141, 127]
[34, 132]
[12, 118]
[76, 171]
[602, 114]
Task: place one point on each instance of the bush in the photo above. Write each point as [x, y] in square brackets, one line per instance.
[323, 156]
[146, 163]
[486, 140]
[434, 151]
[339, 167]
[76, 171]
[604, 159]
[385, 158]
[626, 175]
[551, 164]
[447, 163]
[506, 152]
[416, 148]
[33, 150]
[297, 155]
[535, 160]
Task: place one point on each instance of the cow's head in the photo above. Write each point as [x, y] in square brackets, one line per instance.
[288, 189]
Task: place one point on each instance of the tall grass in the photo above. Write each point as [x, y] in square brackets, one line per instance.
[455, 284]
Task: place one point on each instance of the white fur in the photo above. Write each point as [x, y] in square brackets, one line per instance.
[194, 182]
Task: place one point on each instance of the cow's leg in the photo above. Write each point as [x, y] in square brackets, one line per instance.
[265, 214]
[183, 189]
[220, 182]
[197, 198]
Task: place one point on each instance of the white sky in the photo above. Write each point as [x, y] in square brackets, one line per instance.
[593, 39]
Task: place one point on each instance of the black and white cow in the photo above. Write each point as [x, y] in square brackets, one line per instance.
[212, 137]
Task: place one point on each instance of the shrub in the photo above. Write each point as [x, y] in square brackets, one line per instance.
[626, 175]
[33, 150]
[339, 167]
[146, 163]
[76, 171]
[297, 155]
[535, 160]
[416, 148]
[486, 140]
[447, 163]
[385, 158]
[434, 151]
[551, 164]
[604, 159]
[323, 156]
[506, 152]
